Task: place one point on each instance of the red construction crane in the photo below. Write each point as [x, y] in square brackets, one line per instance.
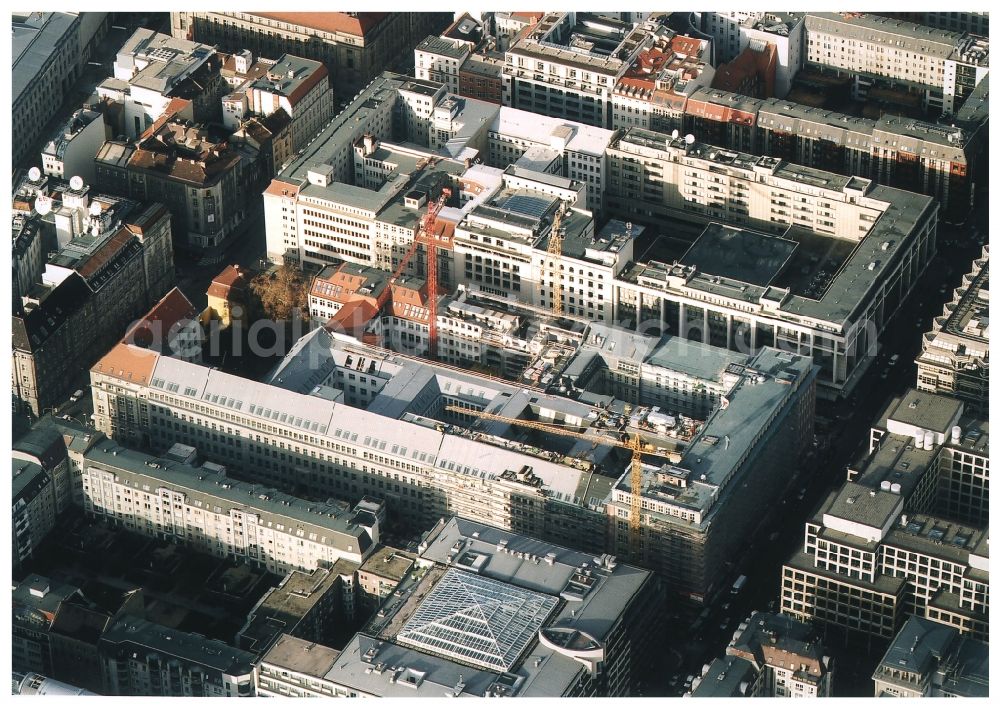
[427, 236]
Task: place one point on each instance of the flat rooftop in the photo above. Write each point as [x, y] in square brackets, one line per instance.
[461, 636]
[300, 656]
[741, 254]
[388, 562]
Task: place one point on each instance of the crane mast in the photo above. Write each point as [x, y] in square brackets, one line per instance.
[632, 442]
[555, 254]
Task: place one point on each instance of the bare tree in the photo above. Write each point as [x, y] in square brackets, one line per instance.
[281, 292]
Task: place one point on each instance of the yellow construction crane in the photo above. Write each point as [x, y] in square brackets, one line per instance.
[631, 442]
[555, 257]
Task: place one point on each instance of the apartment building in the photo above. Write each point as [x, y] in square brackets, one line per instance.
[751, 73]
[380, 575]
[873, 242]
[313, 605]
[207, 510]
[113, 258]
[940, 66]
[141, 658]
[153, 72]
[299, 87]
[439, 59]
[35, 600]
[27, 264]
[567, 65]
[927, 659]
[71, 150]
[954, 356]
[919, 156]
[770, 655]
[206, 181]
[878, 549]
[699, 510]
[355, 46]
[545, 621]
[33, 513]
[650, 94]
[734, 31]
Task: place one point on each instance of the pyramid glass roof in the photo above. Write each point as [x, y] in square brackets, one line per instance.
[477, 620]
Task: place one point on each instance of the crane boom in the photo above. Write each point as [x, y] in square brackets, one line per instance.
[425, 236]
[631, 442]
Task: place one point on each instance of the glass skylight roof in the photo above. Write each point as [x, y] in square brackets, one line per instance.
[531, 205]
[477, 620]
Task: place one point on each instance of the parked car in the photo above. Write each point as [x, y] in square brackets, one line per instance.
[724, 624]
[885, 374]
[893, 359]
[77, 395]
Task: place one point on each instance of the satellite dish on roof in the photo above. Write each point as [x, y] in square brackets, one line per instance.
[689, 139]
[43, 205]
[675, 134]
[95, 208]
[34, 174]
[76, 183]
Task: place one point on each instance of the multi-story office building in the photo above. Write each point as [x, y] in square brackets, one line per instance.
[573, 150]
[975, 22]
[955, 356]
[502, 248]
[650, 94]
[299, 87]
[352, 198]
[928, 659]
[878, 550]
[71, 150]
[50, 50]
[336, 400]
[155, 73]
[770, 655]
[672, 374]
[957, 454]
[568, 64]
[354, 46]
[846, 252]
[698, 514]
[140, 658]
[489, 613]
[205, 509]
[734, 31]
[940, 66]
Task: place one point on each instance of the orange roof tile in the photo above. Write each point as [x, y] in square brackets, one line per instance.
[130, 363]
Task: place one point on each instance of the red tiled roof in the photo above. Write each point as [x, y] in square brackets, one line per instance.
[159, 320]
